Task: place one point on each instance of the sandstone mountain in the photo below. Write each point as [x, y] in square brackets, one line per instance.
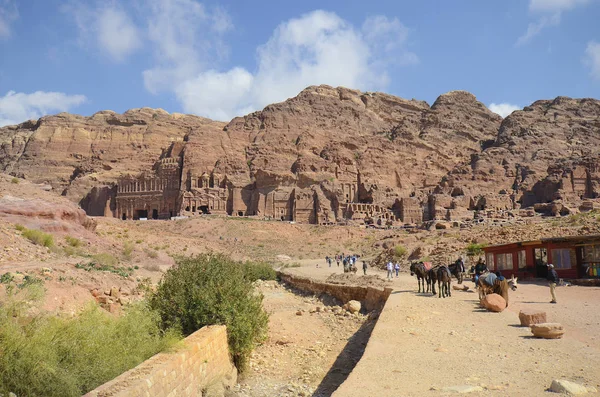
[314, 155]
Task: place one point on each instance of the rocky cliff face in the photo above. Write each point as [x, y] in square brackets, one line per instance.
[74, 153]
[451, 157]
[548, 152]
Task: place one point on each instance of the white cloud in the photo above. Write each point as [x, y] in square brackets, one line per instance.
[109, 26]
[592, 58]
[187, 39]
[554, 5]
[503, 109]
[17, 107]
[211, 92]
[535, 28]
[316, 48]
[8, 13]
[116, 33]
[549, 14]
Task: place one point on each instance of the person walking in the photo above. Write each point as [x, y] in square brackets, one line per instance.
[390, 269]
[552, 281]
[365, 267]
[337, 259]
[397, 268]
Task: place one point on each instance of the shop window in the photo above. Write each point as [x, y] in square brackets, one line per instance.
[561, 258]
[504, 261]
[522, 257]
[489, 260]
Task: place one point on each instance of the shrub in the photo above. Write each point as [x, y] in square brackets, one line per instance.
[19, 227]
[38, 237]
[73, 241]
[259, 271]
[127, 250]
[151, 254]
[213, 289]
[105, 259]
[474, 249]
[46, 355]
[399, 251]
[15, 180]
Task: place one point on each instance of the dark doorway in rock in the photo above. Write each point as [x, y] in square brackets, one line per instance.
[240, 213]
[124, 217]
[140, 214]
[155, 214]
[204, 209]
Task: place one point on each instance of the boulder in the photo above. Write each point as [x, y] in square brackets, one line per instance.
[548, 330]
[114, 292]
[493, 303]
[462, 389]
[460, 287]
[353, 306]
[529, 317]
[567, 387]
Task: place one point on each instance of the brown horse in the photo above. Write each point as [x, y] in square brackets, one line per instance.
[444, 278]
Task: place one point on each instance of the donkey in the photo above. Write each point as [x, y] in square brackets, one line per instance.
[432, 274]
[420, 270]
[456, 272]
[444, 277]
[496, 286]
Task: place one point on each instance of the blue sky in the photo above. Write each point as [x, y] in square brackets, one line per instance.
[224, 59]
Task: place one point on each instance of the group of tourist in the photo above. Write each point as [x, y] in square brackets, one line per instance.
[347, 261]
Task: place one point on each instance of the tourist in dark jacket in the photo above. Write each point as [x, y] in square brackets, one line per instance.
[552, 281]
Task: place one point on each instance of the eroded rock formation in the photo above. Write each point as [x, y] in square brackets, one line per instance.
[324, 156]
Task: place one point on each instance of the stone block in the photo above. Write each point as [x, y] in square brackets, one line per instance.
[529, 317]
[548, 330]
[493, 303]
[567, 387]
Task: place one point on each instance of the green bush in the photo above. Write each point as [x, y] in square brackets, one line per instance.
[259, 271]
[127, 250]
[105, 259]
[38, 237]
[15, 180]
[73, 241]
[399, 251]
[19, 227]
[474, 249]
[213, 289]
[46, 355]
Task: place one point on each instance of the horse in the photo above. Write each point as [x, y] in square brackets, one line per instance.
[498, 287]
[444, 278]
[456, 272]
[420, 270]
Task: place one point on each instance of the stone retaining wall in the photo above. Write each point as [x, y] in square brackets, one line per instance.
[370, 297]
[203, 363]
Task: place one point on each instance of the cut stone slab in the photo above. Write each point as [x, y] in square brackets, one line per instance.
[548, 330]
[462, 389]
[529, 317]
[460, 287]
[568, 387]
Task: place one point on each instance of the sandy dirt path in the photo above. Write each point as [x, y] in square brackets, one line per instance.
[422, 344]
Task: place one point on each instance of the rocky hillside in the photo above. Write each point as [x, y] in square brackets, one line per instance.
[452, 154]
